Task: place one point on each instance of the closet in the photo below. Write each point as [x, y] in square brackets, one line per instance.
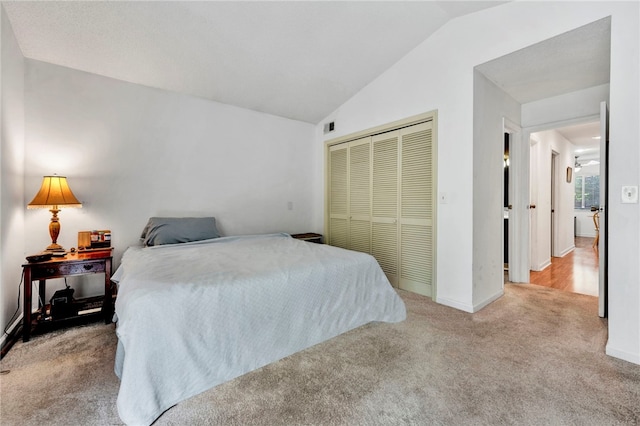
[381, 200]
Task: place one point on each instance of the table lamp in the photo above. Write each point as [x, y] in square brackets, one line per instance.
[54, 193]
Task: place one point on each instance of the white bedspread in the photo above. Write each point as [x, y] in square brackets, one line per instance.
[192, 316]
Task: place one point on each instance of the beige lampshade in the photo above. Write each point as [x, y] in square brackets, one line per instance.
[54, 191]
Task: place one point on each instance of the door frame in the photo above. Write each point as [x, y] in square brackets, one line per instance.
[514, 241]
[603, 241]
[521, 234]
[521, 184]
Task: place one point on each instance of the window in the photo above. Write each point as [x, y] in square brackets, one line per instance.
[587, 192]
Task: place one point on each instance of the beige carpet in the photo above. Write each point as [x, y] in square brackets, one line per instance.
[535, 356]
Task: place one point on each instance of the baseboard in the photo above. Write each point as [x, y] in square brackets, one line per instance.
[567, 251]
[469, 308]
[623, 355]
[454, 304]
[542, 266]
[487, 301]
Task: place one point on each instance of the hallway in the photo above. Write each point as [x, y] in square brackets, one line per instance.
[577, 272]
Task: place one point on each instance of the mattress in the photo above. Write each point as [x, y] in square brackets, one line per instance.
[192, 316]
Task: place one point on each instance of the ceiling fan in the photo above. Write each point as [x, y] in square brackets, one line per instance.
[578, 166]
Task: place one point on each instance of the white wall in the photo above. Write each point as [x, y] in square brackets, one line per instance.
[132, 152]
[438, 75]
[490, 105]
[576, 106]
[584, 224]
[624, 169]
[12, 203]
[563, 233]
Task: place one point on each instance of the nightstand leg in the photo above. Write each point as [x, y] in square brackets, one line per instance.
[107, 308]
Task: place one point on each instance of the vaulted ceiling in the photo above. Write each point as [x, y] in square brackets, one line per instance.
[295, 59]
[299, 60]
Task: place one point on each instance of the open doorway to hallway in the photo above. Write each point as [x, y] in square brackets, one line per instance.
[540, 110]
[565, 253]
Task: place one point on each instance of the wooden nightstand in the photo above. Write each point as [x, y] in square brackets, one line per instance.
[80, 263]
[309, 236]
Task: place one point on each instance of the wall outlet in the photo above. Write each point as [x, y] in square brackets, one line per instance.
[630, 194]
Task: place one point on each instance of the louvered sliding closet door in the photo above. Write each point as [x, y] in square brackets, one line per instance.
[360, 195]
[416, 209]
[338, 196]
[384, 220]
[381, 202]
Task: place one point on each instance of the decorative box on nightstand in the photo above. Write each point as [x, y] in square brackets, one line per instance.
[309, 237]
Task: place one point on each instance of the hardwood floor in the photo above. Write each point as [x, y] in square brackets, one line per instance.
[576, 272]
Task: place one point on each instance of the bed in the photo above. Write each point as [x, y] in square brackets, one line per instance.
[192, 315]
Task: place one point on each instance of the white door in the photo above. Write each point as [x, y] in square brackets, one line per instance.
[602, 243]
[533, 200]
[552, 237]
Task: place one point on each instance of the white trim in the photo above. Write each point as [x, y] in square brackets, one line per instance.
[383, 128]
[521, 262]
[519, 196]
[488, 300]
[470, 308]
[455, 304]
[567, 251]
[562, 123]
[542, 266]
[624, 355]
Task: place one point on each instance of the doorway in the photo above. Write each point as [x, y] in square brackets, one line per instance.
[506, 206]
[574, 200]
[545, 102]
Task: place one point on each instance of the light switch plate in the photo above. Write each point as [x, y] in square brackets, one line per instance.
[629, 194]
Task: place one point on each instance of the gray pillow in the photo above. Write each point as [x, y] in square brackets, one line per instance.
[174, 230]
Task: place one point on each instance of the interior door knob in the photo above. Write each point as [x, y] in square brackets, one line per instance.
[532, 206]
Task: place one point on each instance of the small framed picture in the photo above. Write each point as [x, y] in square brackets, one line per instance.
[569, 174]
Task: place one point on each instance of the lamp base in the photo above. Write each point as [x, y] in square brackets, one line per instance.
[53, 247]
